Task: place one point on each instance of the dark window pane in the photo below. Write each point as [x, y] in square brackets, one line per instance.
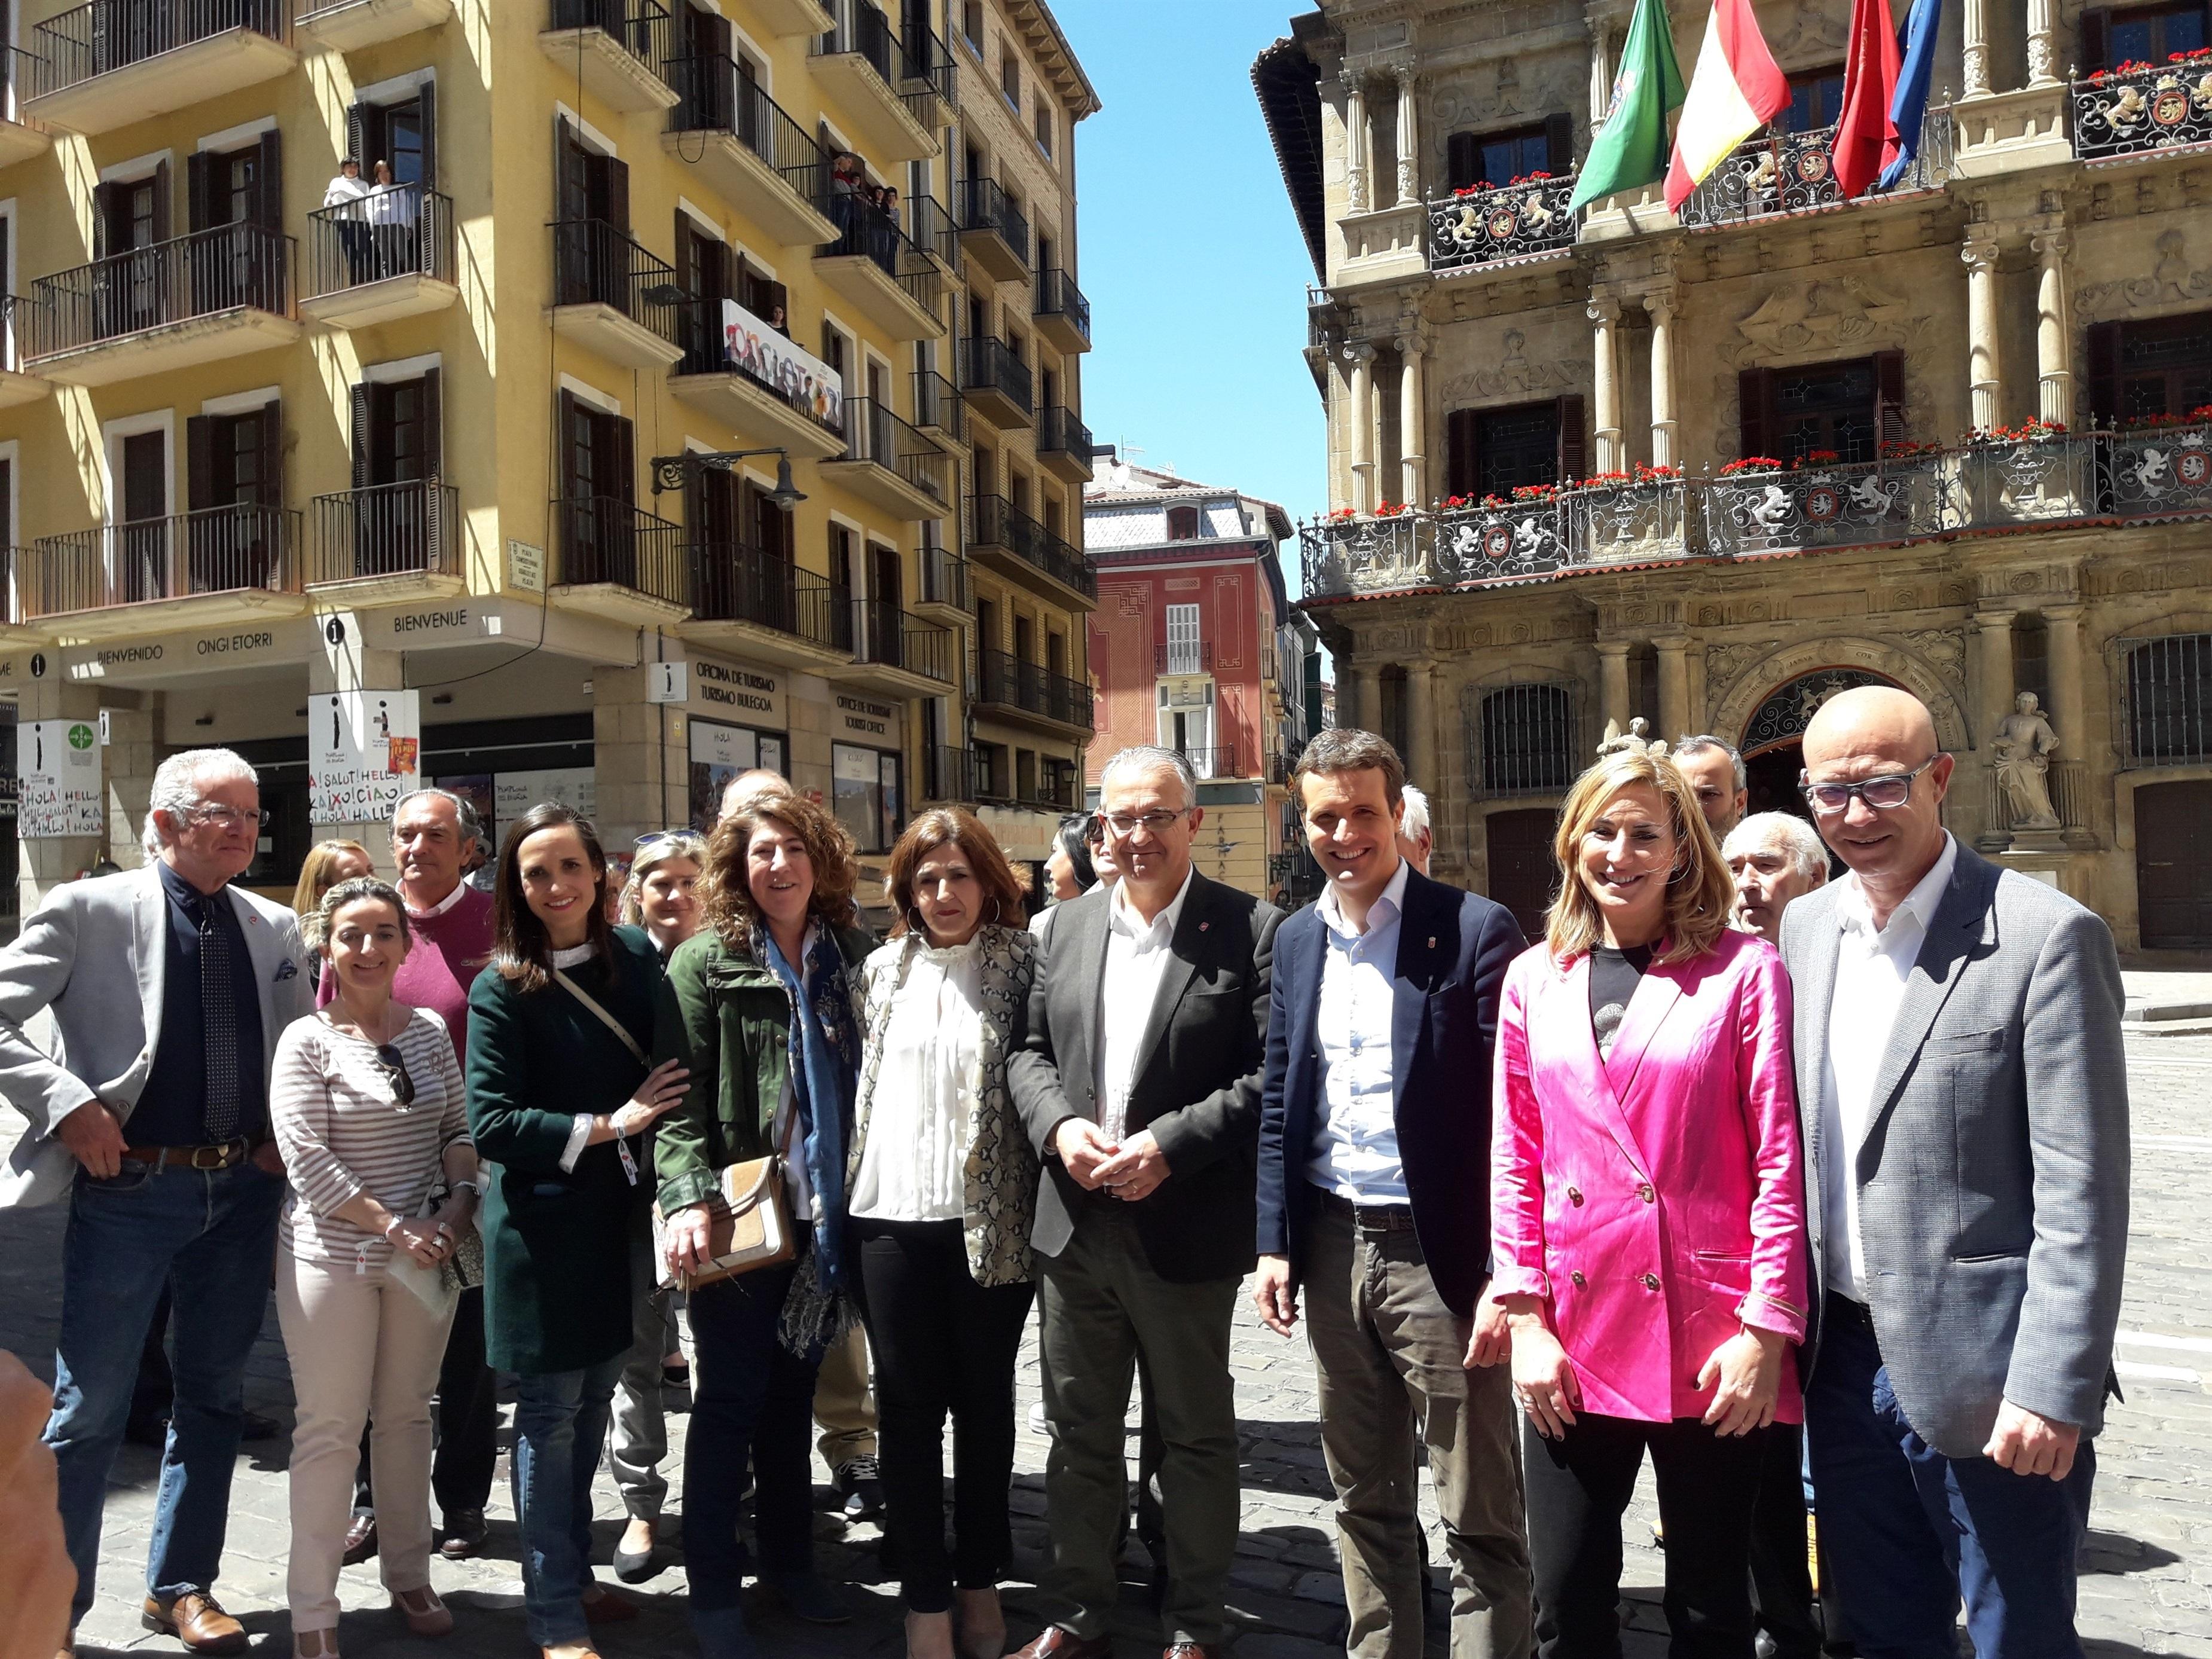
[2169, 696]
[1830, 406]
[1518, 446]
[1527, 739]
[2165, 366]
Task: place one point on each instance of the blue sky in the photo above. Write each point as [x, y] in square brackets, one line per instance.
[1191, 258]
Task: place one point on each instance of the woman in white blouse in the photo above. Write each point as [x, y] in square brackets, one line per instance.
[943, 1185]
[368, 1106]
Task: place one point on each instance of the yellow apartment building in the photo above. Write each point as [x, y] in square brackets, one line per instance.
[685, 386]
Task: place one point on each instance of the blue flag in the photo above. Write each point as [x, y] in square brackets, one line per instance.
[1917, 39]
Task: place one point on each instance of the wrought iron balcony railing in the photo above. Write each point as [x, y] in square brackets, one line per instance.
[1196, 658]
[230, 267]
[985, 205]
[218, 549]
[929, 228]
[707, 350]
[987, 363]
[1224, 759]
[642, 28]
[604, 540]
[866, 229]
[1796, 173]
[2143, 107]
[386, 530]
[926, 83]
[596, 263]
[874, 434]
[897, 639]
[1057, 295]
[72, 47]
[713, 94]
[1485, 226]
[732, 582]
[1058, 433]
[937, 404]
[945, 579]
[1005, 679]
[948, 774]
[2036, 481]
[994, 522]
[406, 230]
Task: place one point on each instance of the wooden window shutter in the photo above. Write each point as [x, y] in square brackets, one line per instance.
[1558, 144]
[618, 173]
[719, 261]
[361, 421]
[2096, 40]
[2103, 367]
[161, 189]
[104, 208]
[1574, 443]
[200, 192]
[1462, 463]
[625, 448]
[684, 237]
[272, 453]
[572, 486]
[1462, 155]
[434, 426]
[1755, 423]
[270, 198]
[427, 101]
[199, 462]
[716, 37]
[357, 139]
[1889, 396]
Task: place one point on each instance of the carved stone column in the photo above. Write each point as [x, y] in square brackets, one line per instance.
[2043, 43]
[1993, 672]
[1984, 364]
[1612, 683]
[1665, 424]
[1600, 86]
[1355, 142]
[2069, 771]
[1367, 680]
[1409, 148]
[1412, 462]
[1976, 54]
[1673, 686]
[2054, 330]
[1421, 727]
[1363, 425]
[1605, 314]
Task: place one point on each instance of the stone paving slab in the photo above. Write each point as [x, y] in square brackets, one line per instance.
[2147, 1587]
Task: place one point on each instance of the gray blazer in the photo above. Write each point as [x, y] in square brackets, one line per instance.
[1197, 1084]
[93, 956]
[1993, 1182]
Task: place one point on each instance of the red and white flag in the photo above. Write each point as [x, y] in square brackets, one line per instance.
[1735, 90]
[1866, 138]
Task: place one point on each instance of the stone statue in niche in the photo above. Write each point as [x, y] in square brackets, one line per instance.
[2023, 746]
[1617, 742]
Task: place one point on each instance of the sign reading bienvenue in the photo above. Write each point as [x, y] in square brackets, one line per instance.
[364, 752]
[801, 379]
[59, 761]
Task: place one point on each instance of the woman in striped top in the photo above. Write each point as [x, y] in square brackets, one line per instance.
[368, 1109]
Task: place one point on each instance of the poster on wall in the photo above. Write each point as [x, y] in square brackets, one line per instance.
[514, 794]
[57, 764]
[364, 752]
[801, 379]
[719, 753]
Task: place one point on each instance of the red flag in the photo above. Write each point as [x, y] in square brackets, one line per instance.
[1866, 138]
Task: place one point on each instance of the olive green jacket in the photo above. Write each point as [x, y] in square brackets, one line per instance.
[727, 1018]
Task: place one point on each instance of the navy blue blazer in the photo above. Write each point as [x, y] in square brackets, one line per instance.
[1453, 951]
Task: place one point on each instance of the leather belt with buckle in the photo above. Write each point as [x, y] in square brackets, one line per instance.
[1374, 1218]
[190, 1158]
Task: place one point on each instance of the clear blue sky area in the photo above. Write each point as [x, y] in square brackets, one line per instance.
[1191, 257]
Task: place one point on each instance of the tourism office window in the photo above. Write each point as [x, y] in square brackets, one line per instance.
[865, 794]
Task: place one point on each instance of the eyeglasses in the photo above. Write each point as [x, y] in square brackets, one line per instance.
[1885, 793]
[1125, 824]
[653, 836]
[395, 1069]
[228, 817]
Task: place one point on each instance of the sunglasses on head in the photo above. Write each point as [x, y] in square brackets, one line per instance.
[395, 1068]
[653, 836]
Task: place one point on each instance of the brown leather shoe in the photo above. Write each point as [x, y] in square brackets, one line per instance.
[197, 1620]
[360, 1539]
[1053, 1643]
[602, 1606]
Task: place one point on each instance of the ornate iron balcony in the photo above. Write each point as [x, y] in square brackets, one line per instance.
[2143, 106]
[1512, 221]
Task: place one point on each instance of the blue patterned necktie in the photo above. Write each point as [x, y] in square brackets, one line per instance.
[218, 1027]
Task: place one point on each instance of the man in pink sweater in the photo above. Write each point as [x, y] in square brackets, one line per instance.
[431, 832]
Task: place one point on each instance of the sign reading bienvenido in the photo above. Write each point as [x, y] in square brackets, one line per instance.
[364, 752]
[59, 761]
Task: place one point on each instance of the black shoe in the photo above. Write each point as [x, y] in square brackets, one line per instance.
[464, 1535]
[861, 1482]
[634, 1568]
[259, 1427]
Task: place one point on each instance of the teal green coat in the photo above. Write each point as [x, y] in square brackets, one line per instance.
[558, 1244]
[728, 1018]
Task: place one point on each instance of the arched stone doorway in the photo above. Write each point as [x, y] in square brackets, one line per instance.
[1772, 741]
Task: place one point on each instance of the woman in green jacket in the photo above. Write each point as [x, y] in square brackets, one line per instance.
[560, 1091]
[761, 1006]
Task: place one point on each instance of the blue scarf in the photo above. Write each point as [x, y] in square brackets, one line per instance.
[825, 1071]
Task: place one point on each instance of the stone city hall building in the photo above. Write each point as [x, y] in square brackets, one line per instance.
[263, 434]
[1770, 406]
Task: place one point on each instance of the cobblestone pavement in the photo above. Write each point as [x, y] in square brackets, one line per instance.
[2147, 1586]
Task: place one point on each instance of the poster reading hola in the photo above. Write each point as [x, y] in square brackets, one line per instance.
[364, 752]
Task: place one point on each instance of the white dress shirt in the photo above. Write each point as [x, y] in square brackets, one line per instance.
[1873, 965]
[1137, 957]
[913, 1166]
[1355, 1144]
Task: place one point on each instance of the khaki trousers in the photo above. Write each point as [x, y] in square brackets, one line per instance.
[1389, 1355]
[363, 1349]
[844, 1404]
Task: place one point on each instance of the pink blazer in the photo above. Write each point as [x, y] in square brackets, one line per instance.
[1653, 1198]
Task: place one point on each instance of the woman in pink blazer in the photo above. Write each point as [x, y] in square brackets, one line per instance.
[1647, 1213]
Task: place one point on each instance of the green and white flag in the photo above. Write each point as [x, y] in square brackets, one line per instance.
[1631, 148]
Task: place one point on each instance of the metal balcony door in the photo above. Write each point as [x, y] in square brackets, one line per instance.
[2174, 881]
[143, 538]
[233, 462]
[1520, 857]
[131, 220]
[397, 442]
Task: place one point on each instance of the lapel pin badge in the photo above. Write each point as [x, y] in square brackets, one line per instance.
[1432, 941]
[1203, 925]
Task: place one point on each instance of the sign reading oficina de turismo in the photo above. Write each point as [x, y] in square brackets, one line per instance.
[59, 761]
[364, 752]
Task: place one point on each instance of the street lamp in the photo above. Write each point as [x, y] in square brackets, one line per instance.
[674, 471]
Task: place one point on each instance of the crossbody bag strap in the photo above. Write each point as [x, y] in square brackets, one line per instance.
[606, 1018]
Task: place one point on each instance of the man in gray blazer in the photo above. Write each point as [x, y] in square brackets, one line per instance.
[1964, 1097]
[1139, 1083]
[168, 988]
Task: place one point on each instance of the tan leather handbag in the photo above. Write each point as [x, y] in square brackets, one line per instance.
[748, 1222]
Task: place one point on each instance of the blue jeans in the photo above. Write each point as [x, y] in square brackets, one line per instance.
[1906, 1530]
[211, 1234]
[560, 1426]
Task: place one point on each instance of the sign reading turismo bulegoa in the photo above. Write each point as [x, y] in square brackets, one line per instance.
[364, 752]
[59, 761]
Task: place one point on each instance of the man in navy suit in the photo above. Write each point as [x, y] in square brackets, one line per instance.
[1374, 1196]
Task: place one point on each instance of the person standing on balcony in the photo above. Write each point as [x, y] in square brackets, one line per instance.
[346, 193]
[167, 988]
[392, 212]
